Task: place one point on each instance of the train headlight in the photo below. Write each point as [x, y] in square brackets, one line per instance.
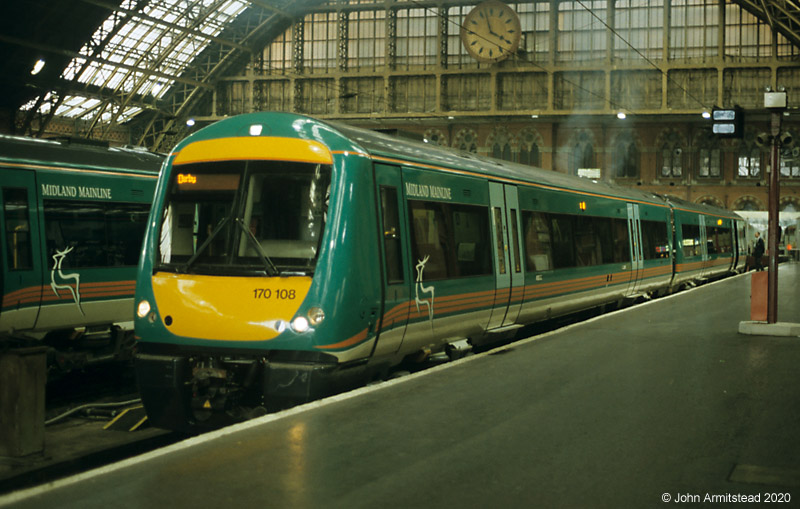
[300, 324]
[142, 309]
[315, 316]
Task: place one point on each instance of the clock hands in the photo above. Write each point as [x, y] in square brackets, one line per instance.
[489, 24]
[499, 36]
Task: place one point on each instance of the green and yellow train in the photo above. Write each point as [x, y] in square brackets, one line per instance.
[73, 220]
[287, 258]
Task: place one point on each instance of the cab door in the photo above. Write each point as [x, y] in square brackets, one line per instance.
[21, 281]
[506, 242]
[395, 276]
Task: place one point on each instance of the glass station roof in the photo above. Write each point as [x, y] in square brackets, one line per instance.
[139, 52]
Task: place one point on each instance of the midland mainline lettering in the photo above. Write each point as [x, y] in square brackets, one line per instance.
[57, 191]
[426, 191]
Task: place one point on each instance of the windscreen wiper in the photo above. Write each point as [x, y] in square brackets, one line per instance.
[268, 265]
[205, 244]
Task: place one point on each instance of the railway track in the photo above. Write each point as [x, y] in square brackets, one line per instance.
[79, 408]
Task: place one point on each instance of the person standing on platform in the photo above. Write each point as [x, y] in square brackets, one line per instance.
[758, 252]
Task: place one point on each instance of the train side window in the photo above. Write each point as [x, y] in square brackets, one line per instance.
[538, 249]
[471, 238]
[691, 240]
[452, 240]
[655, 240]
[18, 233]
[125, 227]
[94, 234]
[727, 240]
[563, 241]
[622, 243]
[712, 241]
[498, 228]
[391, 235]
[429, 239]
[77, 230]
[587, 242]
[603, 230]
[515, 241]
[719, 240]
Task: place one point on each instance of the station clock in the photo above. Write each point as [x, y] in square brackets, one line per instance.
[491, 31]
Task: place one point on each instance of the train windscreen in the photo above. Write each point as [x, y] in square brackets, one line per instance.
[244, 218]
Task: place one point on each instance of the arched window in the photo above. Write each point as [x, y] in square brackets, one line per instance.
[790, 168]
[500, 142]
[582, 155]
[501, 152]
[709, 162]
[672, 156]
[529, 148]
[467, 140]
[530, 155]
[747, 203]
[436, 137]
[790, 161]
[790, 204]
[749, 160]
[709, 158]
[626, 157]
[711, 200]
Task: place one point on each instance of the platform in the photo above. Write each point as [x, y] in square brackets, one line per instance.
[664, 401]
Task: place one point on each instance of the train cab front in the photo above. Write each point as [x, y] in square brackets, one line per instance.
[226, 310]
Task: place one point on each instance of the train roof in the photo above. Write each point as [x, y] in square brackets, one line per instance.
[377, 143]
[383, 145]
[77, 153]
[339, 136]
[701, 208]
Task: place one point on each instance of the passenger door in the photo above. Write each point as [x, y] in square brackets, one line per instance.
[21, 279]
[635, 241]
[704, 247]
[506, 242]
[394, 255]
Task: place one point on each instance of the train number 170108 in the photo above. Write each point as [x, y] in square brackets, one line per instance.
[268, 293]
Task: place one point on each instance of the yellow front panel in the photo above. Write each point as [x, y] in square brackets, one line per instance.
[228, 308]
[263, 148]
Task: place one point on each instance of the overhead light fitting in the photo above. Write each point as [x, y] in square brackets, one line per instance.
[37, 67]
[621, 115]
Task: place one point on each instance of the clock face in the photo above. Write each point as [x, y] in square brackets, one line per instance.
[491, 31]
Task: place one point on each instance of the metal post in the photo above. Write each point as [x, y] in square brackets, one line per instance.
[774, 197]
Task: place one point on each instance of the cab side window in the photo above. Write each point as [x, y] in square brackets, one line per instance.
[17, 228]
[391, 235]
